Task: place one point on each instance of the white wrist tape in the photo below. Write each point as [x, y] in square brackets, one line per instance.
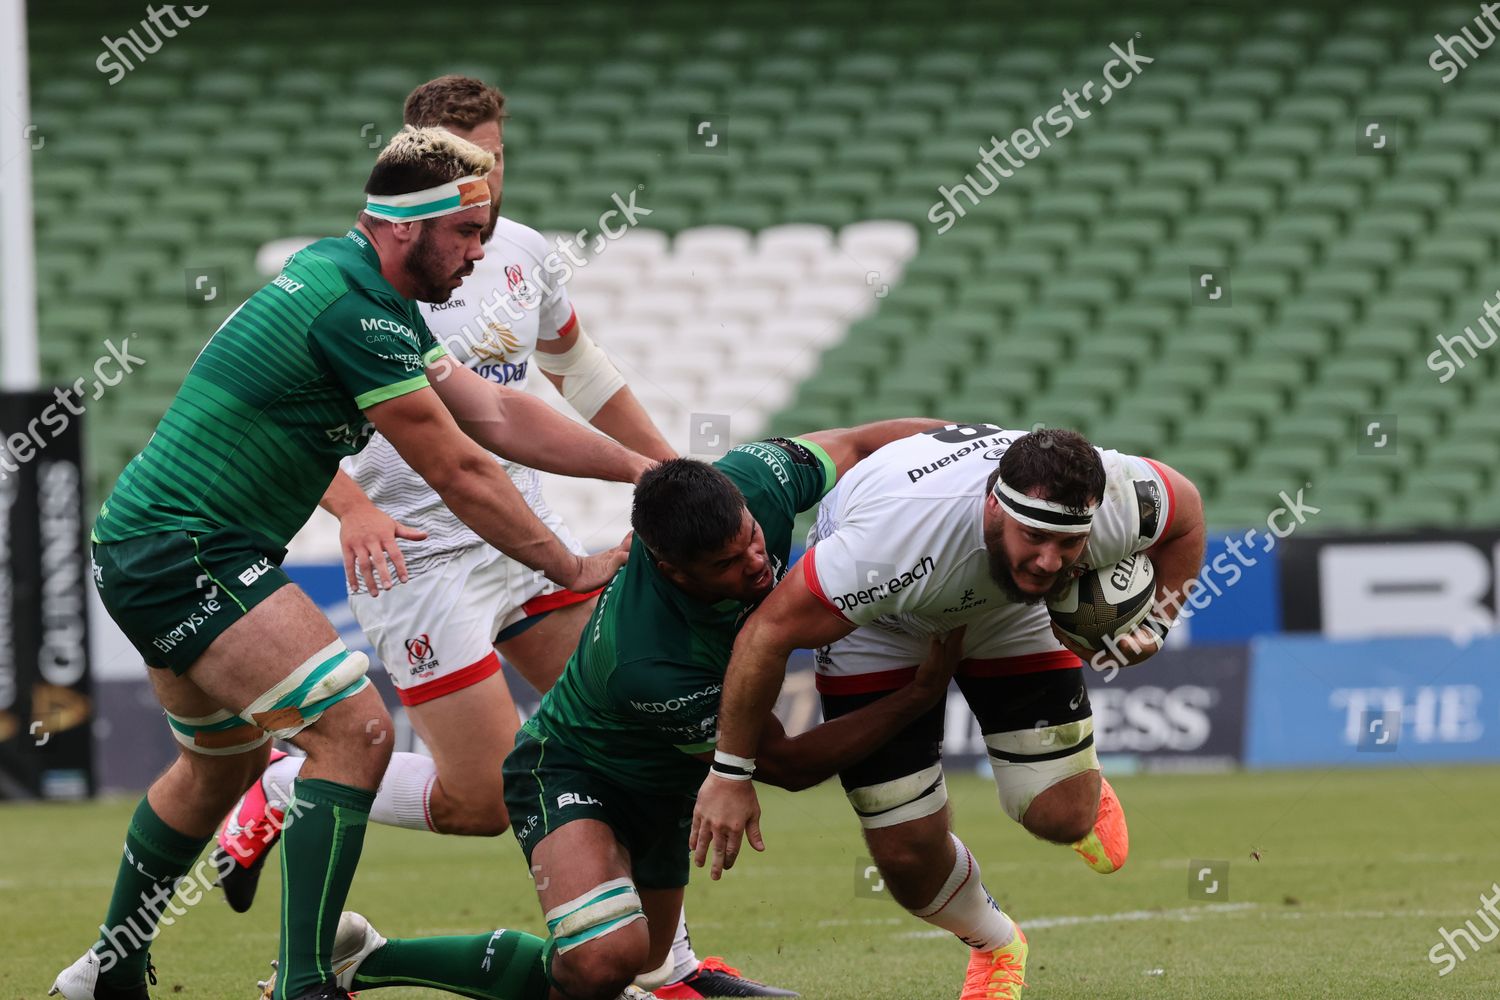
[589, 378]
[732, 767]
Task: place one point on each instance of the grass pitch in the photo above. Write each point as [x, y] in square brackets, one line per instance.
[1357, 872]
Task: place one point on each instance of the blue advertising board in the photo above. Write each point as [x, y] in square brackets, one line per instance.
[1316, 702]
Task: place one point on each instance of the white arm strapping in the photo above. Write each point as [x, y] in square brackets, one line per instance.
[589, 378]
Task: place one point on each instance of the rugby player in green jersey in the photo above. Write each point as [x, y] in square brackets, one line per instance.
[601, 783]
[188, 545]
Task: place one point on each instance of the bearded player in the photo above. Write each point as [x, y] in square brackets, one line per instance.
[188, 545]
[966, 525]
[463, 604]
[601, 780]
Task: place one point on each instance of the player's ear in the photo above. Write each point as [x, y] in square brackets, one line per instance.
[672, 573]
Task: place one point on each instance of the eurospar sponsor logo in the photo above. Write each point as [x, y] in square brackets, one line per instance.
[879, 590]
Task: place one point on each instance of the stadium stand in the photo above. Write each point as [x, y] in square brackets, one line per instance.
[1067, 296]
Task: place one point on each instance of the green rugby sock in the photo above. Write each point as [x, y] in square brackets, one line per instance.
[505, 965]
[155, 857]
[320, 845]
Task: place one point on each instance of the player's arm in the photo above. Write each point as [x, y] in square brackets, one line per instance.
[1178, 554]
[798, 762]
[519, 427]
[367, 536]
[479, 491]
[848, 446]
[791, 618]
[593, 386]
[1177, 557]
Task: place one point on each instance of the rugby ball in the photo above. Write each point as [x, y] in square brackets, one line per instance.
[1107, 602]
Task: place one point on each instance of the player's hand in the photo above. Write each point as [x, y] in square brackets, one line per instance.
[934, 673]
[1126, 651]
[727, 811]
[598, 569]
[643, 465]
[368, 537]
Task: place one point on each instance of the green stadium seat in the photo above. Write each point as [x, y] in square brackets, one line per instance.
[1202, 142]
[1142, 233]
[1443, 282]
[1073, 412]
[1418, 512]
[1095, 381]
[1166, 200]
[1483, 422]
[1121, 263]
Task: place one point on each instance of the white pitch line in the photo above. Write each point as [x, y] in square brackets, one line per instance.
[1184, 915]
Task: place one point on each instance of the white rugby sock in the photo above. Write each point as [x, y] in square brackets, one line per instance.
[276, 780]
[684, 962]
[402, 799]
[405, 791]
[964, 907]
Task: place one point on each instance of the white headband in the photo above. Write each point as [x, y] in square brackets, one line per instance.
[454, 196]
[1045, 515]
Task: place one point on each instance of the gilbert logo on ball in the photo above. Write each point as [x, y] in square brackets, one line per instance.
[1106, 603]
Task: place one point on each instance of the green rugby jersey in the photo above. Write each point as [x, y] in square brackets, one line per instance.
[275, 399]
[640, 695]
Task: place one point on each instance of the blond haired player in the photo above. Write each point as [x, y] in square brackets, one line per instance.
[188, 545]
[464, 604]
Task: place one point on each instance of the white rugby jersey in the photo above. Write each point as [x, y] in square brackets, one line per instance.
[492, 324]
[899, 543]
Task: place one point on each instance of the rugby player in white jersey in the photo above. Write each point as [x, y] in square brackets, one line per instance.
[969, 525]
[463, 604]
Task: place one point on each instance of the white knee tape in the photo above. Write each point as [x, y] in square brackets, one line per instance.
[600, 911]
[222, 734]
[330, 675]
[900, 801]
[1027, 762]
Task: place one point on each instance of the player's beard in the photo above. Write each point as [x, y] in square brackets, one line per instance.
[489, 230]
[1005, 578]
[428, 276]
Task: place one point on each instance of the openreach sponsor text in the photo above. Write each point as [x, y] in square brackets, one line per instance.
[881, 589]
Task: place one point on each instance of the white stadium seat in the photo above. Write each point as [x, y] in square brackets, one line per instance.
[717, 320]
[722, 242]
[798, 239]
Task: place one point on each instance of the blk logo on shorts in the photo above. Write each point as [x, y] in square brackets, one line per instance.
[419, 652]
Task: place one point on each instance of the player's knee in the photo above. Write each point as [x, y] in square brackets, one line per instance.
[479, 816]
[223, 779]
[602, 969]
[1064, 828]
[604, 979]
[601, 941]
[1063, 815]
